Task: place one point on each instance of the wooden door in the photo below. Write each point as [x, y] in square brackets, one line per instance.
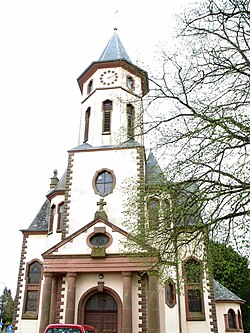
[101, 312]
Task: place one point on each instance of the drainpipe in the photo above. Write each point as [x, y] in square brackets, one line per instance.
[178, 290]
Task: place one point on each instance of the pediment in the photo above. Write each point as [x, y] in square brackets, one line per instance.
[78, 243]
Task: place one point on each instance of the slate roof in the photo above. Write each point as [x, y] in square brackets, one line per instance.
[85, 146]
[221, 293]
[40, 222]
[114, 50]
[61, 184]
[153, 172]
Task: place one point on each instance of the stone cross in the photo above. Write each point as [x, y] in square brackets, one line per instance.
[101, 203]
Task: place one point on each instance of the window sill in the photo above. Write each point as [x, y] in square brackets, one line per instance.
[170, 305]
[30, 315]
[98, 252]
[198, 317]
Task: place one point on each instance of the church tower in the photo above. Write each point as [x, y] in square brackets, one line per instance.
[75, 242]
[73, 266]
[112, 89]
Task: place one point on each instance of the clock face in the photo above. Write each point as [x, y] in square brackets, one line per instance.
[108, 77]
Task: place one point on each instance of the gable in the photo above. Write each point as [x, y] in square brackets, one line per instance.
[78, 243]
[75, 253]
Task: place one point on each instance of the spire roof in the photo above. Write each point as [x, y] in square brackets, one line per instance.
[114, 50]
[154, 173]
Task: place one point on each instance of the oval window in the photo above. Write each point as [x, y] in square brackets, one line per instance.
[104, 182]
[100, 240]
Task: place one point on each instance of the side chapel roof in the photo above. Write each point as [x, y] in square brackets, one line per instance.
[40, 222]
[221, 293]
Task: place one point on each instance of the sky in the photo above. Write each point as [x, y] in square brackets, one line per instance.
[45, 46]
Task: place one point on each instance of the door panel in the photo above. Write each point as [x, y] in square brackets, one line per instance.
[109, 322]
[101, 312]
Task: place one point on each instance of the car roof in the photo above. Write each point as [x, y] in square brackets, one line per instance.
[70, 325]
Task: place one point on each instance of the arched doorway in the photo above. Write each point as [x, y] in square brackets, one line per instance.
[100, 309]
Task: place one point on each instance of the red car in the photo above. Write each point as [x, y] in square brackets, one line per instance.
[69, 328]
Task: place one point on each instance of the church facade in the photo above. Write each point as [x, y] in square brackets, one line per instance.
[73, 268]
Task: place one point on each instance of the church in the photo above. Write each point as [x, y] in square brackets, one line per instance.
[73, 266]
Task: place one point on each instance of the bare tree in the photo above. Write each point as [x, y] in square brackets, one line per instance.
[202, 92]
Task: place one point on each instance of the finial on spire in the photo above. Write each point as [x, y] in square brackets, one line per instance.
[54, 179]
[116, 20]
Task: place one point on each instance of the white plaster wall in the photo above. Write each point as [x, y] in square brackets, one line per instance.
[122, 74]
[161, 290]
[55, 237]
[28, 326]
[79, 243]
[168, 316]
[36, 245]
[120, 98]
[83, 200]
[135, 301]
[221, 309]
[195, 326]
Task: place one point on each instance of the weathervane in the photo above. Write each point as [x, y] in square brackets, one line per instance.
[116, 19]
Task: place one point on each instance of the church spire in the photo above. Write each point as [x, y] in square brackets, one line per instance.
[114, 50]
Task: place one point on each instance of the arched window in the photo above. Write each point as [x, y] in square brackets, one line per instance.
[34, 274]
[130, 121]
[231, 319]
[153, 207]
[240, 320]
[106, 123]
[60, 216]
[32, 291]
[166, 212]
[90, 87]
[170, 294]
[51, 218]
[130, 83]
[192, 271]
[86, 128]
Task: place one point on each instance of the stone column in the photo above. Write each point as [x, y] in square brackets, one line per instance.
[46, 300]
[127, 302]
[52, 315]
[153, 305]
[70, 301]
